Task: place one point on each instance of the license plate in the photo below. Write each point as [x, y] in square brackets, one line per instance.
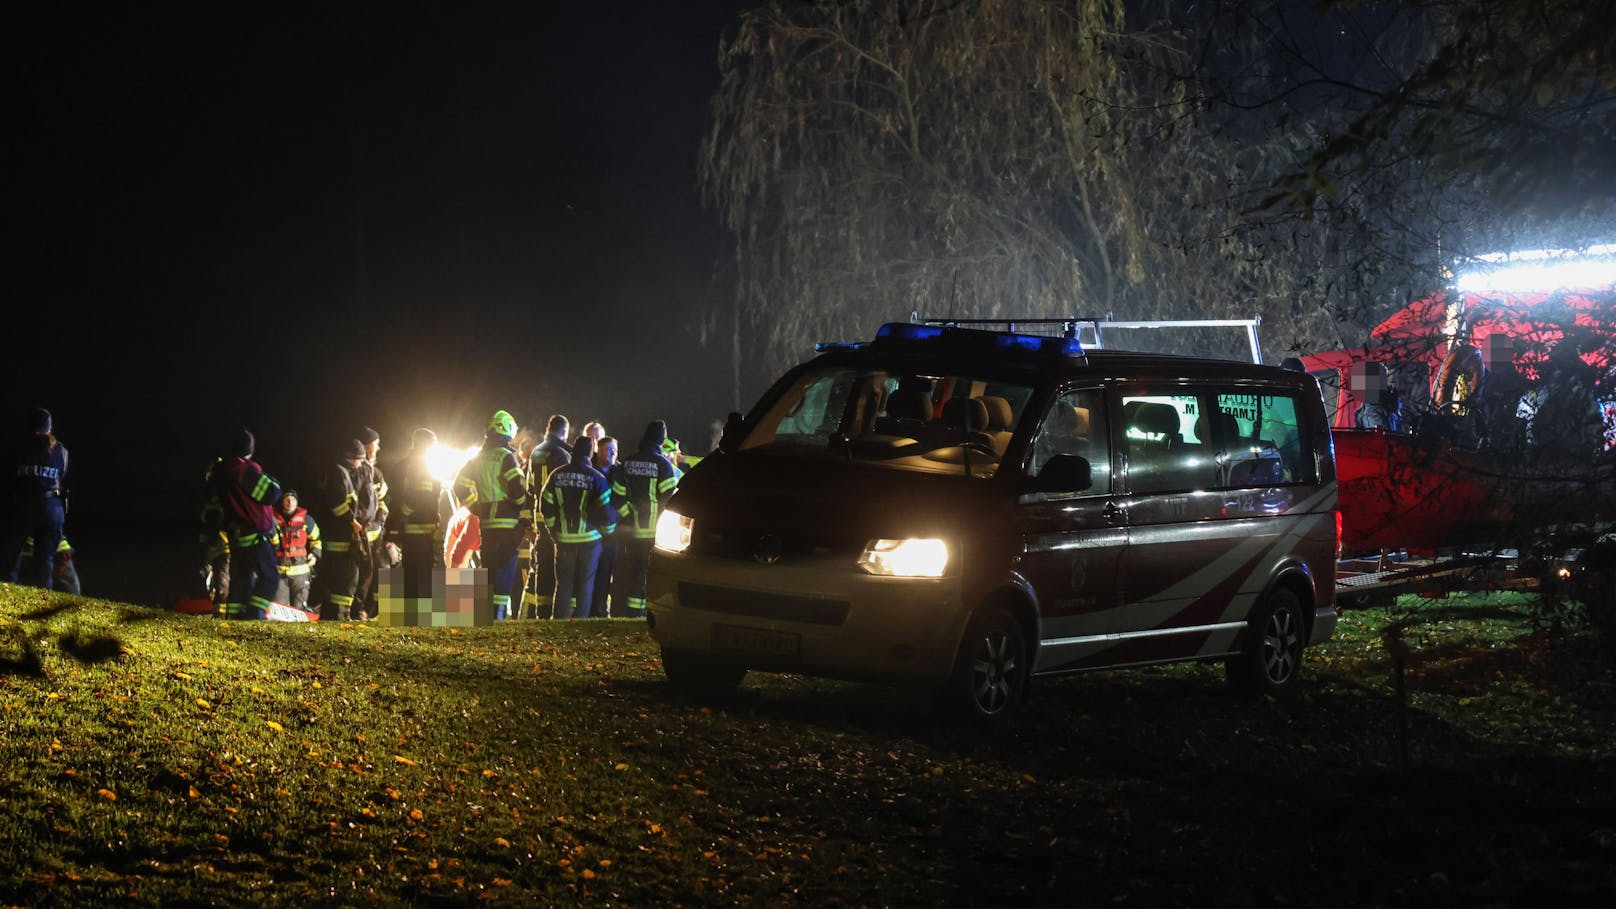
[756, 640]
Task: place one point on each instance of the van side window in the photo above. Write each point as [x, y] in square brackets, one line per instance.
[1076, 425]
[1166, 443]
[1260, 440]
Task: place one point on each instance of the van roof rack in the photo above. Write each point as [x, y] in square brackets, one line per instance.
[936, 336]
[1090, 330]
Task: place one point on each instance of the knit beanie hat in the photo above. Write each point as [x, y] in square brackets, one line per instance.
[583, 448]
[656, 432]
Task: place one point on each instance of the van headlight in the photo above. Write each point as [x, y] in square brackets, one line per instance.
[673, 531]
[913, 558]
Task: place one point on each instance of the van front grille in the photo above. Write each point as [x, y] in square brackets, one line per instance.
[784, 607]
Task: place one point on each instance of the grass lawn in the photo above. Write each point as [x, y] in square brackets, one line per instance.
[214, 763]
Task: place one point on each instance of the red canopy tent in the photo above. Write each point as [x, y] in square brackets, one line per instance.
[1399, 491]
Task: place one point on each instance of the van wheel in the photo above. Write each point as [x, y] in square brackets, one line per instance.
[992, 668]
[1273, 656]
[698, 676]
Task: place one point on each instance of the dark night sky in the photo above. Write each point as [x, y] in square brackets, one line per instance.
[385, 214]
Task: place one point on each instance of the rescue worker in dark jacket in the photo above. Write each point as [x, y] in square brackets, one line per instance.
[374, 553]
[413, 520]
[37, 505]
[546, 458]
[214, 544]
[246, 498]
[640, 487]
[600, 602]
[577, 509]
[491, 485]
[297, 549]
[343, 533]
[65, 574]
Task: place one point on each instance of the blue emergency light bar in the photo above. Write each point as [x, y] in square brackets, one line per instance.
[908, 334]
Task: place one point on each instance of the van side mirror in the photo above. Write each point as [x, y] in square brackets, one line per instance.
[734, 428]
[1064, 473]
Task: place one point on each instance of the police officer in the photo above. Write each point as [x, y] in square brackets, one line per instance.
[246, 498]
[577, 509]
[491, 485]
[38, 506]
[343, 535]
[546, 458]
[413, 522]
[641, 486]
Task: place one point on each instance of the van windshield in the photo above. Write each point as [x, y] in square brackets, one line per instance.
[905, 420]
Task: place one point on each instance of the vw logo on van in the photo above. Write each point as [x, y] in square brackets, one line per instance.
[767, 550]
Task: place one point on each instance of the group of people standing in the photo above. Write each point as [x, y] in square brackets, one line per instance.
[565, 531]
[1481, 400]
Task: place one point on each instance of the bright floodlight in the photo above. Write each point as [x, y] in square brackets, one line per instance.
[445, 461]
[1541, 270]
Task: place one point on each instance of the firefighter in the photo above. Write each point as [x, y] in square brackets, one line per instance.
[1563, 417]
[599, 602]
[37, 504]
[344, 535]
[1498, 399]
[576, 506]
[375, 551]
[214, 544]
[413, 521]
[297, 549]
[491, 485]
[643, 482]
[64, 572]
[546, 458]
[245, 498]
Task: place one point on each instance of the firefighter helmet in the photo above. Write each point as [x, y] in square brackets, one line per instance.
[503, 423]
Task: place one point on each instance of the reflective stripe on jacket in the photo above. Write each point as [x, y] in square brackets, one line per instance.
[577, 504]
[641, 484]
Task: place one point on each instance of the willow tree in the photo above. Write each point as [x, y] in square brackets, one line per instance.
[973, 159]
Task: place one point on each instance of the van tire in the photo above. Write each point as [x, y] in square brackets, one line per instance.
[991, 669]
[700, 676]
[1272, 660]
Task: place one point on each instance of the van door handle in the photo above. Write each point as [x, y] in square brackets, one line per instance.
[1113, 514]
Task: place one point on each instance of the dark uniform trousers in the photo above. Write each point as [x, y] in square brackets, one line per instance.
[339, 578]
[254, 578]
[422, 555]
[543, 575]
[634, 565]
[42, 518]
[499, 558]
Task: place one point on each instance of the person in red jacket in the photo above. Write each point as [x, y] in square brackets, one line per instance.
[296, 551]
[246, 497]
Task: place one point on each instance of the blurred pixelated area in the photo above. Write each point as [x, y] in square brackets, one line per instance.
[459, 600]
